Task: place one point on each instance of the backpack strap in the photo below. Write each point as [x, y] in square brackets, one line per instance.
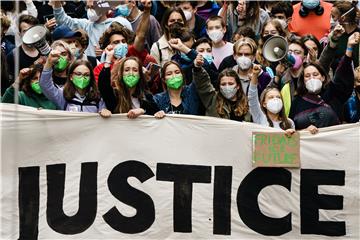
[160, 53]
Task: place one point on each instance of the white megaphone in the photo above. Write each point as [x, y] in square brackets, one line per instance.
[36, 37]
[275, 49]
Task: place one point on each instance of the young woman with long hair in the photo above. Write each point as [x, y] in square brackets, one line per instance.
[269, 111]
[178, 98]
[123, 88]
[30, 92]
[79, 94]
[230, 102]
[319, 101]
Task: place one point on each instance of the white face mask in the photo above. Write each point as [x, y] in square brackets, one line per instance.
[216, 35]
[274, 105]
[188, 15]
[92, 16]
[283, 23]
[244, 63]
[313, 85]
[228, 91]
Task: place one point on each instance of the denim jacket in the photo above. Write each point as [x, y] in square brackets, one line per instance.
[189, 97]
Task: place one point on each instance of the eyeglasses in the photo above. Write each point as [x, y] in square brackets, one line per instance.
[79, 74]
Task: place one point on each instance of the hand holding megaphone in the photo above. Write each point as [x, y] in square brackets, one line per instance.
[280, 69]
[40, 61]
[36, 37]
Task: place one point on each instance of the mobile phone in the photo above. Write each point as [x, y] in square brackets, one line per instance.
[153, 68]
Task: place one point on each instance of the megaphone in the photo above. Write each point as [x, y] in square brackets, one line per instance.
[36, 37]
[275, 49]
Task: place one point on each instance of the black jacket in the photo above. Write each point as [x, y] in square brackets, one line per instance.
[147, 103]
[228, 62]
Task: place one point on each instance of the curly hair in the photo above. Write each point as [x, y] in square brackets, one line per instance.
[242, 106]
[115, 28]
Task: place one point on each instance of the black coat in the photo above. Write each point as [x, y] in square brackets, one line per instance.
[147, 103]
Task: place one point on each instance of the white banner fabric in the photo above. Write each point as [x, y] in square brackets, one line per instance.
[78, 176]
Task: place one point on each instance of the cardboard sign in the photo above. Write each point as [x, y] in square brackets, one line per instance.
[276, 150]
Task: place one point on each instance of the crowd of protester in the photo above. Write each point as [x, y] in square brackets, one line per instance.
[187, 57]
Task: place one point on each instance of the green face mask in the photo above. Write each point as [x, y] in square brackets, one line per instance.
[61, 65]
[131, 80]
[36, 87]
[81, 82]
[174, 82]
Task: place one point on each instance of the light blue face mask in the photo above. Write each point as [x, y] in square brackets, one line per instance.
[120, 50]
[122, 10]
[311, 4]
[209, 58]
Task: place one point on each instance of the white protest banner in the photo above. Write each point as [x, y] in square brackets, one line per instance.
[79, 176]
